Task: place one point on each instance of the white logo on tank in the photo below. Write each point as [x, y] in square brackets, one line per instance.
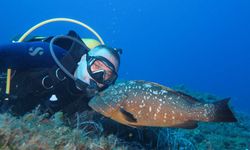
[36, 51]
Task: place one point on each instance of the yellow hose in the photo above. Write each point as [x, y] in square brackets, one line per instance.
[8, 81]
[42, 24]
[58, 20]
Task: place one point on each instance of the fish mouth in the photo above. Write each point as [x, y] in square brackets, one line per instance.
[99, 105]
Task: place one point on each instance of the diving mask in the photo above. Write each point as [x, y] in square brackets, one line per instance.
[101, 69]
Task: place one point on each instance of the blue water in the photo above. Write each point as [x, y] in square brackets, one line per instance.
[204, 45]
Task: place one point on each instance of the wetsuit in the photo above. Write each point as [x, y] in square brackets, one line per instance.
[37, 79]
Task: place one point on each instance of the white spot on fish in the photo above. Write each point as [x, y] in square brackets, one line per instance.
[155, 116]
[173, 112]
[141, 106]
[150, 109]
[155, 92]
[165, 115]
[173, 117]
[147, 85]
[139, 112]
[164, 91]
[142, 102]
[122, 84]
[160, 100]
[170, 98]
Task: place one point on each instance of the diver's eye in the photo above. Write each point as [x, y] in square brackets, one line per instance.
[97, 65]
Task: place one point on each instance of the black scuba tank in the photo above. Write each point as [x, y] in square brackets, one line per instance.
[25, 55]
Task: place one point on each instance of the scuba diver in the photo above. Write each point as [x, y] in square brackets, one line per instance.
[36, 79]
[61, 73]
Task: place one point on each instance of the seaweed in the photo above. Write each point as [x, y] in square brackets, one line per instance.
[36, 130]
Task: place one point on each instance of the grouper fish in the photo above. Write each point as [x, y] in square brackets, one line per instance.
[140, 103]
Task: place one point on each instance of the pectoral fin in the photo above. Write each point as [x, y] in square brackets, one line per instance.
[128, 116]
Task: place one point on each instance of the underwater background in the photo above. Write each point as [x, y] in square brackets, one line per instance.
[203, 46]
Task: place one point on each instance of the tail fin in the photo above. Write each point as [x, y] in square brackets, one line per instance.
[222, 112]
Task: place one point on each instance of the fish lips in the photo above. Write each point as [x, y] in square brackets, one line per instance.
[99, 105]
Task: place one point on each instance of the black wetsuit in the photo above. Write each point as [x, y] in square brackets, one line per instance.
[34, 74]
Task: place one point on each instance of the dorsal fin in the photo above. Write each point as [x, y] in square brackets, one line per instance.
[187, 97]
[155, 85]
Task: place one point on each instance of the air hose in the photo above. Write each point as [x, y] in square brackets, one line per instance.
[60, 20]
[55, 58]
[27, 33]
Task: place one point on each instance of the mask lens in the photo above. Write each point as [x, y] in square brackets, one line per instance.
[101, 69]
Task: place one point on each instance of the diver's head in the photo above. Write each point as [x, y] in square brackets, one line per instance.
[100, 65]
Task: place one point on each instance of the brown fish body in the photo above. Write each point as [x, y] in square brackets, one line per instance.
[140, 103]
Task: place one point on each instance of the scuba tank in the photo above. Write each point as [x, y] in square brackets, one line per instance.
[25, 55]
[35, 54]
